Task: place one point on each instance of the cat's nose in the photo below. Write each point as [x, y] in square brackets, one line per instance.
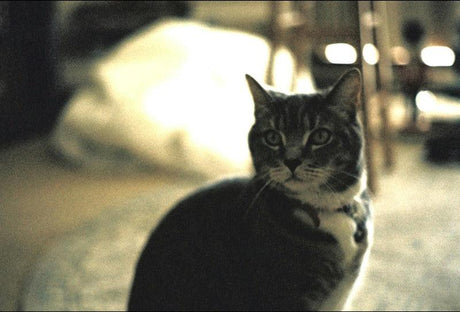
[292, 164]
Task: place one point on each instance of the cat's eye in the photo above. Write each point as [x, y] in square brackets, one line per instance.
[320, 136]
[272, 138]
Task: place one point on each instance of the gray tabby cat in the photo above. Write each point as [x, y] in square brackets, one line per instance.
[293, 237]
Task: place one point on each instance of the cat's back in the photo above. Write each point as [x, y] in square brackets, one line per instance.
[187, 253]
[217, 204]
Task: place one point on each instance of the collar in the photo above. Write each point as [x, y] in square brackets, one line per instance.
[314, 212]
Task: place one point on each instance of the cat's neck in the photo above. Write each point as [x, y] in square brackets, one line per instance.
[331, 201]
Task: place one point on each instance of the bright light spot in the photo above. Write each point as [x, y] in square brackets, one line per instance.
[425, 101]
[283, 69]
[438, 106]
[400, 55]
[304, 82]
[371, 19]
[435, 56]
[340, 53]
[370, 54]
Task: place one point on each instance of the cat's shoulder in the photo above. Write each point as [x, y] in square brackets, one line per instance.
[212, 198]
[222, 190]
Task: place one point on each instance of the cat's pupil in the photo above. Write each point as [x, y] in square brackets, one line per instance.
[272, 138]
[320, 136]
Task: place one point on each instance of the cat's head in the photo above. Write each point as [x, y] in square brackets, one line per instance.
[310, 146]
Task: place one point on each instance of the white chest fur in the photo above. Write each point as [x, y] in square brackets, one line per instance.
[341, 297]
[343, 228]
[339, 225]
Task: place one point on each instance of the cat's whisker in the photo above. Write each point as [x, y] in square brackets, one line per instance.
[279, 174]
[331, 174]
[331, 188]
[340, 181]
[262, 176]
[332, 191]
[312, 173]
[256, 197]
[328, 170]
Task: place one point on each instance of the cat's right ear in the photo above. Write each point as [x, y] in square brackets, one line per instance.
[346, 93]
[259, 94]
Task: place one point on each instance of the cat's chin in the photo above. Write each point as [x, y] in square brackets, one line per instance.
[295, 185]
[312, 193]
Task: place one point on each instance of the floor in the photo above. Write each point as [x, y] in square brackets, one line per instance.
[414, 263]
[41, 200]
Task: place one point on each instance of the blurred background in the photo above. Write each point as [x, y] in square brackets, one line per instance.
[112, 110]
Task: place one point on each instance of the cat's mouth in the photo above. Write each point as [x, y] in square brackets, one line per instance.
[296, 182]
[303, 178]
[294, 178]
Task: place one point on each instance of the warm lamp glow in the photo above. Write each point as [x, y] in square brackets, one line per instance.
[340, 53]
[437, 106]
[283, 69]
[370, 54]
[400, 55]
[437, 56]
[425, 101]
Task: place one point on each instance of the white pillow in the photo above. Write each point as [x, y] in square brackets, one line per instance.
[172, 95]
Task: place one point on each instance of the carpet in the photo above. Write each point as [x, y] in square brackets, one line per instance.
[414, 264]
[92, 268]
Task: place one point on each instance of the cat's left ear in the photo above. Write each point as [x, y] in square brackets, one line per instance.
[346, 93]
[259, 94]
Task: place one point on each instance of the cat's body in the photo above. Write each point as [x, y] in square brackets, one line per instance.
[293, 237]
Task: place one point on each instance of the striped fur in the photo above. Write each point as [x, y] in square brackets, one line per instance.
[326, 177]
[326, 171]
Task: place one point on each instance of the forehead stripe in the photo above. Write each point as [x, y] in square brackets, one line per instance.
[301, 120]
